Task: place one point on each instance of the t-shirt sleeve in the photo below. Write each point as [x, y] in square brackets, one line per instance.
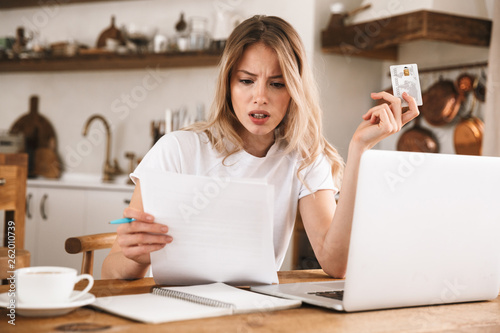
[163, 156]
[318, 176]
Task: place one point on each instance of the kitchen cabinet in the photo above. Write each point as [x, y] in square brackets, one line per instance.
[379, 39]
[52, 215]
[103, 206]
[55, 213]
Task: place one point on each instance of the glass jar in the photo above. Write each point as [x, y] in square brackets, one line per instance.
[199, 38]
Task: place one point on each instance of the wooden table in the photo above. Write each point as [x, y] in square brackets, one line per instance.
[467, 317]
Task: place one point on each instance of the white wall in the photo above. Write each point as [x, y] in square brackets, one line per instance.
[385, 8]
[345, 83]
[67, 99]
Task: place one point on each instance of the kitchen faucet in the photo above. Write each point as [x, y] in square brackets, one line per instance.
[109, 170]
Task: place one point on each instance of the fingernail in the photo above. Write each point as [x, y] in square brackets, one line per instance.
[149, 218]
[164, 229]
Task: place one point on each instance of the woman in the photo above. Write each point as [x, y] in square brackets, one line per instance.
[265, 122]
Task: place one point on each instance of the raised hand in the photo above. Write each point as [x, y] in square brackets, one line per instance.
[384, 120]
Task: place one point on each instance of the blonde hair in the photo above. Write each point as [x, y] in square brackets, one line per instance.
[301, 129]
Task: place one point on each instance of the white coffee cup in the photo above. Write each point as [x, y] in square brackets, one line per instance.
[49, 285]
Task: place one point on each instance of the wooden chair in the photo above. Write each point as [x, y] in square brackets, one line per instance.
[88, 244]
[22, 259]
[13, 177]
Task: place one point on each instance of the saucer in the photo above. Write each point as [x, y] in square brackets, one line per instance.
[46, 310]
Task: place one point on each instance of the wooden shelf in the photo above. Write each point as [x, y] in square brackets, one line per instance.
[379, 39]
[101, 61]
[112, 62]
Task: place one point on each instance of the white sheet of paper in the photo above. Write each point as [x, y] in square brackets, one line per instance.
[222, 229]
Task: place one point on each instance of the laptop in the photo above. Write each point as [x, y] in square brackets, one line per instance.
[425, 231]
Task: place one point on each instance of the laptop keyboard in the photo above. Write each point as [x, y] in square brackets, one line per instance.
[335, 294]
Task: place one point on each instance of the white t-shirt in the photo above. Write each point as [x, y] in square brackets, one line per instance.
[191, 153]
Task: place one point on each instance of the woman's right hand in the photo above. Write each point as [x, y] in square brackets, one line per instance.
[383, 120]
[139, 238]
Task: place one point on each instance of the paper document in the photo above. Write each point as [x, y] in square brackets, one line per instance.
[191, 302]
[222, 229]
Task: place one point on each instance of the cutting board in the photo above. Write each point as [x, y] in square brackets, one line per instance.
[111, 32]
[40, 142]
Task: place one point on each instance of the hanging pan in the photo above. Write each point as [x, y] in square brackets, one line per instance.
[479, 87]
[418, 139]
[468, 135]
[441, 103]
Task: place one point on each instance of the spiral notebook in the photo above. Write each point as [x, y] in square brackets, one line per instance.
[191, 302]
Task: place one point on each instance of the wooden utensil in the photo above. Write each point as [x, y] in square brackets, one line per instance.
[113, 33]
[441, 103]
[418, 139]
[181, 25]
[39, 136]
[468, 135]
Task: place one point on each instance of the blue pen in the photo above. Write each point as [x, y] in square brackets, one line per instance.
[123, 220]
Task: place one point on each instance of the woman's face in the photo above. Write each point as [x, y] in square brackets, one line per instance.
[258, 93]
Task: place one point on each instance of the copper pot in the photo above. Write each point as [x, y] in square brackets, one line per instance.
[465, 84]
[418, 139]
[441, 103]
[468, 135]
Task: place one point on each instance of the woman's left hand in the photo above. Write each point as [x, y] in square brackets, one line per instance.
[384, 120]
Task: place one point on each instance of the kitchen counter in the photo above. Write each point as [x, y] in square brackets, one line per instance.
[83, 181]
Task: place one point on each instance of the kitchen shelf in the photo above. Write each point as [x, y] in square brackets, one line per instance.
[379, 39]
[112, 62]
[11, 4]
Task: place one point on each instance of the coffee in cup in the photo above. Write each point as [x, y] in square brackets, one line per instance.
[43, 285]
